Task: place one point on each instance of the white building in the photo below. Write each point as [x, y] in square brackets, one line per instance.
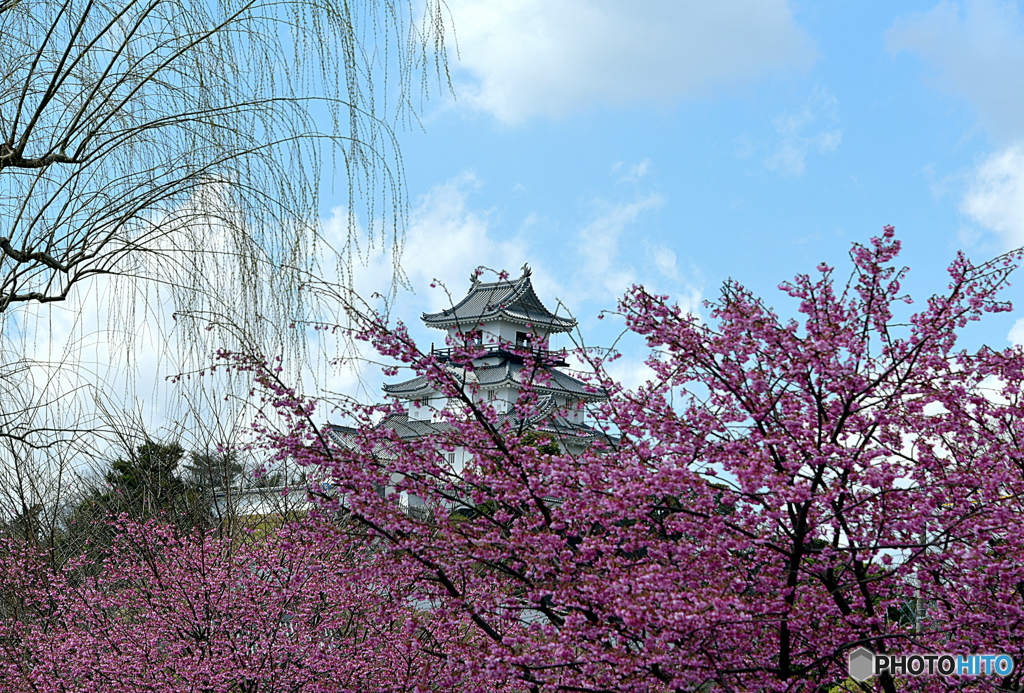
[506, 321]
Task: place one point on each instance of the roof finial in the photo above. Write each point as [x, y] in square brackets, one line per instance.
[474, 278]
[526, 270]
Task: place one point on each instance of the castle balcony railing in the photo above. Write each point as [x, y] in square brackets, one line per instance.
[514, 352]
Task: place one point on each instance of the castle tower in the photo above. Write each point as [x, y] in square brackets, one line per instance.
[506, 320]
[508, 325]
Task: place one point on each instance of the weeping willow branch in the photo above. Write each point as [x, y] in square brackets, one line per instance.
[178, 153]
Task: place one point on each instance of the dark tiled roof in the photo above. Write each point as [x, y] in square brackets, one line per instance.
[505, 372]
[543, 418]
[513, 299]
[406, 428]
[407, 387]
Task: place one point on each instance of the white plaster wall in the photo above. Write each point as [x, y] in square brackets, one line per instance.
[458, 461]
[507, 331]
[428, 410]
[574, 412]
[455, 336]
[508, 394]
[420, 412]
[496, 331]
[417, 412]
[502, 401]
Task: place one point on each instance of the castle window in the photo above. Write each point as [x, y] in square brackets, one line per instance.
[523, 339]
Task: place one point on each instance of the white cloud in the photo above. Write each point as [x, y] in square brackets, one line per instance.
[598, 247]
[995, 195]
[665, 260]
[103, 358]
[634, 173]
[810, 129]
[527, 58]
[638, 171]
[632, 372]
[976, 52]
[447, 238]
[1016, 336]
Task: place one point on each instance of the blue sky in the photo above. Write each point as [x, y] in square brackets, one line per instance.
[676, 144]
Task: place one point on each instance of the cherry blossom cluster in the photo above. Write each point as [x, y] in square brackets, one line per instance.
[783, 491]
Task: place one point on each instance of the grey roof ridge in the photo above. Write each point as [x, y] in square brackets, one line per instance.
[397, 387]
[506, 382]
[394, 389]
[439, 322]
[539, 420]
[515, 291]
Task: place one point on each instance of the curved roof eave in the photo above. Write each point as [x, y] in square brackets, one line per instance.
[553, 325]
[515, 301]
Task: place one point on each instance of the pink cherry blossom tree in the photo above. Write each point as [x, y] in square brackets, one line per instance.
[782, 492]
[302, 610]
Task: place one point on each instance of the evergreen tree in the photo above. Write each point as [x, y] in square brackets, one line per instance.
[212, 470]
[147, 483]
[143, 485]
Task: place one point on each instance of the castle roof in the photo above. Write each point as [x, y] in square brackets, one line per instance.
[506, 373]
[510, 299]
[544, 418]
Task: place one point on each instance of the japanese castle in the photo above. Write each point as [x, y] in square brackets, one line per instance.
[506, 323]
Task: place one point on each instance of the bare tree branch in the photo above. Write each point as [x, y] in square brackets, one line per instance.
[180, 152]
